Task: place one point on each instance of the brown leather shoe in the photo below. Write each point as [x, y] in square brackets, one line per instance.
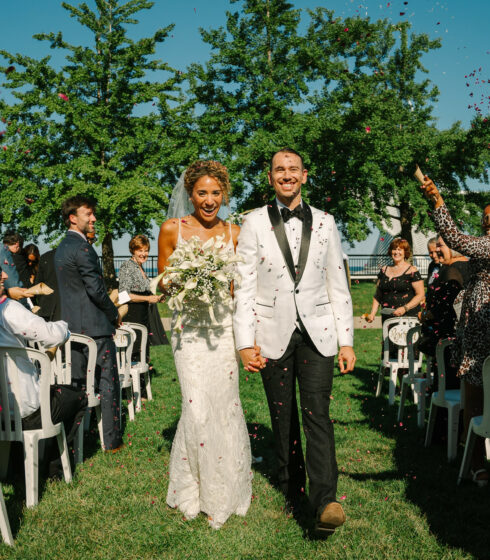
[330, 518]
[116, 449]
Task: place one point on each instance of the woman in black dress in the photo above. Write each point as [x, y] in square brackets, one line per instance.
[141, 308]
[399, 287]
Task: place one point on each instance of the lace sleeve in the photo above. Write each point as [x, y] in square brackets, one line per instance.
[468, 245]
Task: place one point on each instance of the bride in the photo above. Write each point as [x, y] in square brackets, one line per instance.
[210, 459]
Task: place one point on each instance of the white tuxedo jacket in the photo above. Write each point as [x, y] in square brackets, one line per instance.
[271, 291]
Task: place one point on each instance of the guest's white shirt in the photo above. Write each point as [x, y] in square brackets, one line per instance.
[18, 326]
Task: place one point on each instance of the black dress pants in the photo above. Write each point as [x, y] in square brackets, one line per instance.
[106, 384]
[314, 373]
[68, 405]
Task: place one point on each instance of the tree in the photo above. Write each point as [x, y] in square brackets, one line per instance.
[373, 120]
[250, 91]
[86, 128]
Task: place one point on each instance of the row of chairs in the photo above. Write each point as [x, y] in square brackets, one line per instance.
[59, 371]
[404, 333]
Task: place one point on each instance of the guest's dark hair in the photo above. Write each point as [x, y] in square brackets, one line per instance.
[400, 242]
[71, 205]
[12, 237]
[287, 150]
[32, 249]
[138, 242]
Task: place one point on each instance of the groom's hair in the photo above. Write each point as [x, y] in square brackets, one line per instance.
[287, 151]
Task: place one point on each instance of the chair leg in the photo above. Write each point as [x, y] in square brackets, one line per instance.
[468, 452]
[78, 441]
[430, 424]
[31, 467]
[4, 522]
[131, 403]
[452, 432]
[136, 380]
[419, 392]
[380, 380]
[65, 457]
[98, 414]
[392, 385]
[149, 395]
[4, 458]
[403, 396]
[487, 448]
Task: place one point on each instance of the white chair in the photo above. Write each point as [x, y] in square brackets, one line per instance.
[400, 327]
[479, 425]
[4, 522]
[140, 367]
[124, 340]
[414, 378]
[11, 422]
[451, 399]
[93, 398]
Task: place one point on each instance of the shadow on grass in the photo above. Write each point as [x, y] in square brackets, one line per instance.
[457, 515]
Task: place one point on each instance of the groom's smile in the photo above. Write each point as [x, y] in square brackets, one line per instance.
[287, 174]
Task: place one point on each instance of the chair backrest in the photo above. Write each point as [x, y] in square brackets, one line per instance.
[124, 340]
[11, 422]
[402, 324]
[486, 392]
[441, 368]
[144, 338]
[414, 360]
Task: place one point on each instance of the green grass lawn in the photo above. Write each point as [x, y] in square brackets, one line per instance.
[401, 499]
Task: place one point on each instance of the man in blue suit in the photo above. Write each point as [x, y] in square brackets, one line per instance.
[88, 310]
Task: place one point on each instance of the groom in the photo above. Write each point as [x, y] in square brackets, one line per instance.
[294, 303]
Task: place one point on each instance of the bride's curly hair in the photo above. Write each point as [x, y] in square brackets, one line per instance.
[215, 169]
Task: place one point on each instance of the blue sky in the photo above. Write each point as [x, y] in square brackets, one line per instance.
[462, 26]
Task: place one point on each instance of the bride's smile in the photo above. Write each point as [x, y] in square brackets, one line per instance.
[206, 198]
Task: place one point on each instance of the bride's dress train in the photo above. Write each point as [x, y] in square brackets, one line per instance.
[210, 459]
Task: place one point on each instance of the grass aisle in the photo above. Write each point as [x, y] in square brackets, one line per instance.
[401, 500]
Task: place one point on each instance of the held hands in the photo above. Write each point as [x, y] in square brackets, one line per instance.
[19, 293]
[346, 359]
[251, 359]
[155, 298]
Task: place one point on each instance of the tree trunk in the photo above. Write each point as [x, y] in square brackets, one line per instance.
[406, 216]
[108, 262]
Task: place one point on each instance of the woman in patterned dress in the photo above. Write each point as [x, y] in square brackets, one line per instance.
[472, 343]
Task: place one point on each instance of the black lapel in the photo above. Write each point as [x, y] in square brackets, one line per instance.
[305, 241]
[282, 240]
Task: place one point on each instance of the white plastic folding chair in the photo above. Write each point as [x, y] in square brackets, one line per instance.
[398, 327]
[93, 398]
[124, 340]
[451, 399]
[11, 422]
[479, 425]
[414, 379]
[140, 367]
[4, 522]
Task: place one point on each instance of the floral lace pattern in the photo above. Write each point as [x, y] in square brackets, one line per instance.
[210, 462]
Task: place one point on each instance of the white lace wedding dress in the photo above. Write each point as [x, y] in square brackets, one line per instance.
[210, 462]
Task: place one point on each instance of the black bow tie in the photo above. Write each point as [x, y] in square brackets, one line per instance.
[298, 212]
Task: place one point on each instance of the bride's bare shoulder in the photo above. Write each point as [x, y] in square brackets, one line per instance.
[170, 227]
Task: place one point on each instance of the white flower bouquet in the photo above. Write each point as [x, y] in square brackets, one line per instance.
[199, 274]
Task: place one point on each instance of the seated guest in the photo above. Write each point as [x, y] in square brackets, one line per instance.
[15, 244]
[18, 326]
[439, 317]
[12, 284]
[434, 264]
[32, 255]
[134, 281]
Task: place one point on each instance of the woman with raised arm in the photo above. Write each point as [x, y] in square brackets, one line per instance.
[472, 344]
[210, 459]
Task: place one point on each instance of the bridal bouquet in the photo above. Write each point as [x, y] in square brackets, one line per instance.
[199, 274]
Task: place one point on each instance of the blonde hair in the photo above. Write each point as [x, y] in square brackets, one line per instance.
[210, 168]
